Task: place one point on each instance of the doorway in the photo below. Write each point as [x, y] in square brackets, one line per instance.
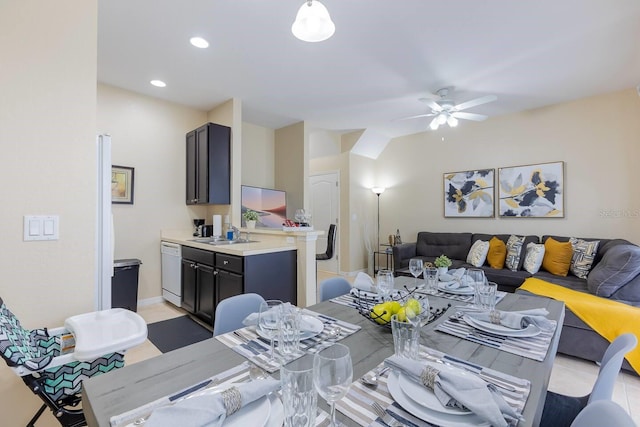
[325, 208]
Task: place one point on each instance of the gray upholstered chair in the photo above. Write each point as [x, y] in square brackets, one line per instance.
[333, 287]
[603, 413]
[230, 312]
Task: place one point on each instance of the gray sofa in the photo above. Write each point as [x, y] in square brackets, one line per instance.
[615, 274]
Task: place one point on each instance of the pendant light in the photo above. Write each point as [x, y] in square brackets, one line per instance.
[313, 23]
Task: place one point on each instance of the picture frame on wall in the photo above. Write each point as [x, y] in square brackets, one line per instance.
[532, 191]
[469, 194]
[122, 185]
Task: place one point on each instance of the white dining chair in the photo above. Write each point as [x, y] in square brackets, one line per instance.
[333, 287]
[230, 312]
[560, 410]
[603, 413]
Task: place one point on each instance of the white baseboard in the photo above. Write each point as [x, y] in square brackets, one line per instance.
[150, 301]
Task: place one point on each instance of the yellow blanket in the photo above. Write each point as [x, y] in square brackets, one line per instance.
[608, 318]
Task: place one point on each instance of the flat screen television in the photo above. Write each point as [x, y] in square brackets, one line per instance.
[270, 204]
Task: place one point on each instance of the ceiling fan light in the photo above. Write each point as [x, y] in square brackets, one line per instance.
[313, 23]
[434, 124]
[442, 118]
[452, 121]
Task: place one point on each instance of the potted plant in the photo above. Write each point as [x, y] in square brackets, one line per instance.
[442, 263]
[250, 218]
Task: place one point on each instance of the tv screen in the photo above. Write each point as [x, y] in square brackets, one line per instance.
[270, 204]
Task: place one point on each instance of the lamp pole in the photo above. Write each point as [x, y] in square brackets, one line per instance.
[378, 191]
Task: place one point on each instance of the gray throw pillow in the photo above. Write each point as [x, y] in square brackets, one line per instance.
[618, 266]
[514, 248]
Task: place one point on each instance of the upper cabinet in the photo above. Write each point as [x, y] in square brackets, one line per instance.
[209, 165]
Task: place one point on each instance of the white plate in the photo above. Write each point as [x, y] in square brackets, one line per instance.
[448, 287]
[428, 415]
[315, 327]
[426, 397]
[530, 331]
[276, 418]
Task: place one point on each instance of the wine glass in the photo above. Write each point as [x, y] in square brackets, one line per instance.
[417, 310]
[299, 215]
[269, 321]
[415, 267]
[474, 277]
[332, 375]
[385, 283]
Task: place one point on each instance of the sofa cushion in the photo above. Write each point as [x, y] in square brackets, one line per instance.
[619, 266]
[602, 247]
[557, 257]
[453, 245]
[514, 250]
[505, 238]
[506, 279]
[533, 258]
[478, 253]
[497, 253]
[584, 252]
[570, 281]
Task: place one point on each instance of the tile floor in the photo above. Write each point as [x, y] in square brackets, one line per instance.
[569, 376]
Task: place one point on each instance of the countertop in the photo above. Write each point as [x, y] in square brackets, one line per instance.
[267, 241]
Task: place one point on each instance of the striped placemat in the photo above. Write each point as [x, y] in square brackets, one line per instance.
[249, 344]
[530, 347]
[357, 403]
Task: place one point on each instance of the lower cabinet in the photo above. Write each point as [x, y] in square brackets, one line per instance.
[209, 277]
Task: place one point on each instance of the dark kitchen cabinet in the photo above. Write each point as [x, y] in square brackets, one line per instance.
[198, 283]
[209, 165]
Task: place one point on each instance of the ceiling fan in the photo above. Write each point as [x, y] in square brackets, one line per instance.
[444, 110]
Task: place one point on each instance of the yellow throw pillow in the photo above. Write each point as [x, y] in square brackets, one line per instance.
[557, 257]
[497, 253]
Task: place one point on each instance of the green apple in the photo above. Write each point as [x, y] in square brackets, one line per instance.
[412, 307]
[393, 306]
[401, 315]
[381, 313]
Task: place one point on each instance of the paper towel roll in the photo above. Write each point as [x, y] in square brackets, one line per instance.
[217, 225]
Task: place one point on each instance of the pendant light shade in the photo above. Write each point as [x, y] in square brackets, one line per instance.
[313, 23]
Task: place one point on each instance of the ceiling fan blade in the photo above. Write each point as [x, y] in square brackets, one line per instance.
[474, 102]
[432, 104]
[415, 117]
[469, 116]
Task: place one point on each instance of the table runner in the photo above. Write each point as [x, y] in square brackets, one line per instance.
[530, 347]
[237, 374]
[357, 403]
[249, 344]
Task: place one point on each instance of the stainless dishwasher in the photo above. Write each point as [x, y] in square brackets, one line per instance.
[171, 276]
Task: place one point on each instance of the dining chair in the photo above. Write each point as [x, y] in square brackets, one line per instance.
[331, 244]
[334, 287]
[230, 312]
[603, 413]
[560, 410]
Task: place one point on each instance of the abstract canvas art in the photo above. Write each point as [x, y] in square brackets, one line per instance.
[469, 194]
[533, 191]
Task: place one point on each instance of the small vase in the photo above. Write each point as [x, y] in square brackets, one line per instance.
[251, 224]
[442, 270]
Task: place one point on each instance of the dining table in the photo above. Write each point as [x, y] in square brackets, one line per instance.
[138, 384]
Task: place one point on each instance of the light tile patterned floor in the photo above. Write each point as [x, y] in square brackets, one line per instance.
[569, 376]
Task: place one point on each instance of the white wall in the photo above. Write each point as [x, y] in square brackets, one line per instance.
[597, 138]
[292, 165]
[148, 134]
[323, 143]
[258, 153]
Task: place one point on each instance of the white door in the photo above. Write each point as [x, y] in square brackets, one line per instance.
[324, 210]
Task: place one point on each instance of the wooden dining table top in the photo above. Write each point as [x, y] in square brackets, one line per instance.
[135, 385]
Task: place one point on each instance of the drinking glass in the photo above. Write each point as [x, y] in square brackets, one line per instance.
[289, 333]
[431, 279]
[385, 283]
[332, 375]
[486, 293]
[406, 337]
[269, 321]
[299, 395]
[417, 311]
[415, 267]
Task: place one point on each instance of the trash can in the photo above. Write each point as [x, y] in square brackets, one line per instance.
[124, 284]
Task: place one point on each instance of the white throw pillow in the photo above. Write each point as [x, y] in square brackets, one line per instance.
[533, 258]
[478, 253]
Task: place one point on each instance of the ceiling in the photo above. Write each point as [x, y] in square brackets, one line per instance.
[383, 57]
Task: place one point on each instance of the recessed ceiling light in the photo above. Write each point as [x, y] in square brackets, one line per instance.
[158, 83]
[199, 42]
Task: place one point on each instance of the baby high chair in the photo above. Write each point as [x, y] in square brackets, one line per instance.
[53, 363]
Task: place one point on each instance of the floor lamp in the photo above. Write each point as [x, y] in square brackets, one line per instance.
[378, 191]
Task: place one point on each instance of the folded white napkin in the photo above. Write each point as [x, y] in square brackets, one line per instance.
[456, 388]
[364, 282]
[515, 319]
[208, 410]
[305, 323]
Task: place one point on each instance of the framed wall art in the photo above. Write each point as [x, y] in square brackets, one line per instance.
[532, 191]
[121, 185]
[469, 194]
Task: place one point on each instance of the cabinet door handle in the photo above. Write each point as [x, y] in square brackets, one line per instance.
[225, 262]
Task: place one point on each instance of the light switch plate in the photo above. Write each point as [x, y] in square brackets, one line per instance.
[41, 227]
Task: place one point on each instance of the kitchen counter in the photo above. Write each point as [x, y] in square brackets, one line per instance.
[267, 241]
